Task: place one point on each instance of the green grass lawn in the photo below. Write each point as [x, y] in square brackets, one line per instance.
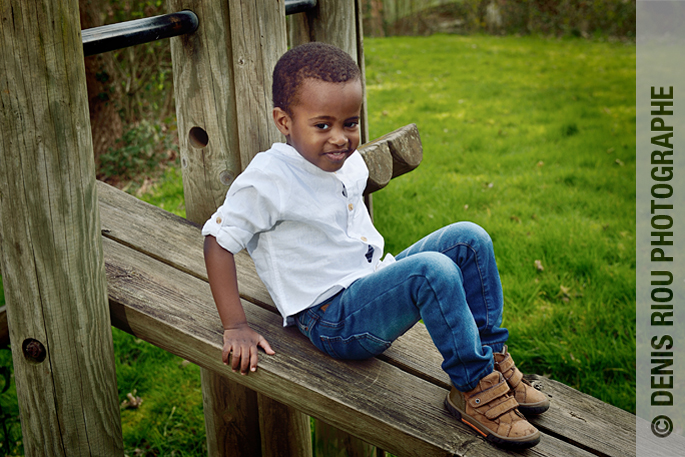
[534, 139]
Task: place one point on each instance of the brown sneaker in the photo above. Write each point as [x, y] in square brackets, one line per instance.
[491, 411]
[530, 400]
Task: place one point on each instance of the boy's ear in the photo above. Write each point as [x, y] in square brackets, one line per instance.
[282, 120]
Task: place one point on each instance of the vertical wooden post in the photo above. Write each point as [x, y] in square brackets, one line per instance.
[222, 81]
[258, 39]
[52, 261]
[210, 161]
[231, 417]
[338, 22]
[205, 107]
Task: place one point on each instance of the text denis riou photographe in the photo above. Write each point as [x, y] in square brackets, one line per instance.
[661, 245]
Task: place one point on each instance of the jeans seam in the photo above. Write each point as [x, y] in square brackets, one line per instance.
[480, 276]
[454, 339]
[329, 342]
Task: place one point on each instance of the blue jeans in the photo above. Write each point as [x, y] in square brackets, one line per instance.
[449, 279]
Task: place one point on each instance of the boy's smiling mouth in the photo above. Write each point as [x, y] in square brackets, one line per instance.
[338, 155]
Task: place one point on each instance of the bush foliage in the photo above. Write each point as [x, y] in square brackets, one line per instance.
[587, 18]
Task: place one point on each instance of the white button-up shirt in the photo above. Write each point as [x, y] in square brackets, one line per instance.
[307, 230]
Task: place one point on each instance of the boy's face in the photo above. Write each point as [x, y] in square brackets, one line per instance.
[324, 126]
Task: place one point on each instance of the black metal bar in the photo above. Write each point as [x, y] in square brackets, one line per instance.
[116, 36]
[124, 34]
[298, 6]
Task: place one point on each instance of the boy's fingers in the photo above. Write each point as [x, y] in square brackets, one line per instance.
[265, 345]
[235, 358]
[226, 355]
[245, 360]
[253, 359]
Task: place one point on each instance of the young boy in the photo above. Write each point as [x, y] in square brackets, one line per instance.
[299, 211]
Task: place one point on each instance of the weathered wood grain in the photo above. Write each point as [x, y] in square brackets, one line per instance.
[204, 89]
[258, 39]
[391, 155]
[585, 420]
[379, 162]
[231, 417]
[52, 265]
[286, 431]
[330, 441]
[371, 399]
[405, 147]
[413, 353]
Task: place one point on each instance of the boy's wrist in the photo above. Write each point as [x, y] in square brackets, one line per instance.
[236, 326]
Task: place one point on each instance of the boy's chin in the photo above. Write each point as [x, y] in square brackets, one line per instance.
[332, 161]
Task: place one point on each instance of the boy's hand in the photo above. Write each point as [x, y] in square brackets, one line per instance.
[242, 343]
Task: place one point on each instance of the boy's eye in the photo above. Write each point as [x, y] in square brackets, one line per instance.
[322, 126]
[352, 124]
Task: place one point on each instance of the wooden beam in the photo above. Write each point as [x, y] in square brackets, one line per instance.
[379, 162]
[391, 155]
[574, 417]
[204, 85]
[371, 399]
[258, 40]
[52, 264]
[204, 90]
[236, 433]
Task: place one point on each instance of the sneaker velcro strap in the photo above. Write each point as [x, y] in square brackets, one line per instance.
[515, 378]
[506, 364]
[497, 411]
[486, 396]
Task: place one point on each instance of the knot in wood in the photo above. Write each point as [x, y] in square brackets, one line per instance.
[226, 178]
[34, 351]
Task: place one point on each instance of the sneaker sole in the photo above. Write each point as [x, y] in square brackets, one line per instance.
[533, 410]
[523, 443]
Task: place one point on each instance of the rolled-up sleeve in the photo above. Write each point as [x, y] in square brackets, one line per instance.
[251, 206]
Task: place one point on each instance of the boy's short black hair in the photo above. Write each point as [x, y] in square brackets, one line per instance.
[314, 60]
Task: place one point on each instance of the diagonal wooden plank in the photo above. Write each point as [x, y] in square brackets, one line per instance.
[178, 243]
[372, 399]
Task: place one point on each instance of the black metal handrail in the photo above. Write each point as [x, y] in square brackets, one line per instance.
[298, 6]
[124, 34]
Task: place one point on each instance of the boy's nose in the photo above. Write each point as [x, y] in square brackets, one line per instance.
[338, 138]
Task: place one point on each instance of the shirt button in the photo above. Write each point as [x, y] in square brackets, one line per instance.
[350, 206]
[218, 220]
[364, 239]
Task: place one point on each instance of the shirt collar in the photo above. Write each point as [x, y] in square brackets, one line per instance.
[291, 153]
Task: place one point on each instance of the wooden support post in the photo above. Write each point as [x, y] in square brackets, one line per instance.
[231, 417]
[338, 22]
[52, 259]
[285, 431]
[205, 107]
[222, 81]
[208, 139]
[258, 39]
